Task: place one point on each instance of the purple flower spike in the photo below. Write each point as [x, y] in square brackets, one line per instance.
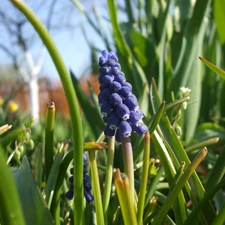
[87, 186]
[119, 106]
[123, 111]
[115, 99]
[125, 129]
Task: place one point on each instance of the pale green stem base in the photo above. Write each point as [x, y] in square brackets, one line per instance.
[128, 162]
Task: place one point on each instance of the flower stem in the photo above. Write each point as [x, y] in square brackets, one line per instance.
[96, 187]
[128, 162]
[108, 177]
[77, 130]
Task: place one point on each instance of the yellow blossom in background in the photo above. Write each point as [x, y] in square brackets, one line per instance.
[12, 106]
[1, 101]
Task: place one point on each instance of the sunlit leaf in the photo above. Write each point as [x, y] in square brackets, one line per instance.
[34, 207]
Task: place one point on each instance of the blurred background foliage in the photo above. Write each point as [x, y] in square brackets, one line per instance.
[160, 39]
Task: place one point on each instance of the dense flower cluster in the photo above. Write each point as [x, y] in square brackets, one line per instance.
[119, 106]
[87, 186]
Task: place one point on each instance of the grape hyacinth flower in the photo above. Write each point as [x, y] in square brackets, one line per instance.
[119, 106]
[87, 186]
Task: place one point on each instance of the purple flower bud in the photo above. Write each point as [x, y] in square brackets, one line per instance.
[71, 186]
[123, 111]
[113, 120]
[103, 86]
[100, 78]
[69, 194]
[87, 186]
[112, 55]
[139, 112]
[71, 179]
[107, 79]
[85, 178]
[102, 61]
[127, 84]
[135, 118]
[115, 86]
[125, 128]
[71, 170]
[85, 170]
[125, 91]
[111, 62]
[105, 93]
[106, 108]
[120, 78]
[115, 70]
[141, 129]
[104, 70]
[101, 100]
[117, 65]
[105, 53]
[109, 132]
[115, 99]
[88, 196]
[131, 102]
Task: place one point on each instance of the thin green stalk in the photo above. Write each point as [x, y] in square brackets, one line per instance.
[144, 179]
[96, 188]
[201, 144]
[49, 132]
[108, 177]
[180, 183]
[77, 130]
[128, 162]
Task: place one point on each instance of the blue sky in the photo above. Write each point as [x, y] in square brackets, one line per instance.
[71, 45]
